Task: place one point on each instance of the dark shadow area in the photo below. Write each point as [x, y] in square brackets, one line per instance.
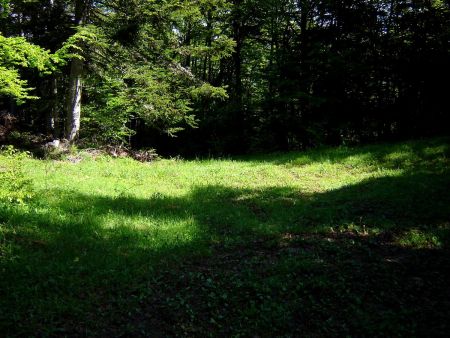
[377, 154]
[364, 260]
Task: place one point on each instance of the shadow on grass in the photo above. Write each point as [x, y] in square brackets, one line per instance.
[232, 261]
[407, 154]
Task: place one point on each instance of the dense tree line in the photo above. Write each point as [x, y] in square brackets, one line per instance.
[226, 77]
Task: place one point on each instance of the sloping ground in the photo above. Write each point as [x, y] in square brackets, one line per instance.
[331, 242]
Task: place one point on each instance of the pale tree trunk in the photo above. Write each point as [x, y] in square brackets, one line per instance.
[53, 118]
[73, 113]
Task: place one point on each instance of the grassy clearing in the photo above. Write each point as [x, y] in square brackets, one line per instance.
[327, 242]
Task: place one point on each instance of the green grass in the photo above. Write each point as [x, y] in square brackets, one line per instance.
[331, 242]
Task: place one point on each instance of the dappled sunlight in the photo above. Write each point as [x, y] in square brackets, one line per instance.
[157, 235]
[217, 212]
[184, 205]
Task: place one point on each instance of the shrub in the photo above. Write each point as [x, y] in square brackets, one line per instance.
[15, 187]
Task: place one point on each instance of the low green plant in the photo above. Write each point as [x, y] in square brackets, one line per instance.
[419, 239]
[15, 187]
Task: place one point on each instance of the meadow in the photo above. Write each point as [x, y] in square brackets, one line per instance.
[348, 241]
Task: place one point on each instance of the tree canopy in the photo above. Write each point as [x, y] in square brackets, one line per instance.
[226, 76]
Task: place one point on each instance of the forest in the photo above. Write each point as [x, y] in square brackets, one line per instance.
[215, 77]
[224, 168]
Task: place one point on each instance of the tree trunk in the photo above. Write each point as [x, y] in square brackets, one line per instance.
[187, 42]
[74, 100]
[54, 118]
[73, 112]
[237, 59]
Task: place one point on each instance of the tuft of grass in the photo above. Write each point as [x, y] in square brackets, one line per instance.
[344, 241]
[419, 239]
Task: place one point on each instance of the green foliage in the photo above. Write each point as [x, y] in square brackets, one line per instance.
[4, 8]
[17, 53]
[16, 187]
[106, 118]
[156, 95]
[12, 85]
[258, 75]
[136, 71]
[208, 91]
[87, 38]
[133, 65]
[153, 95]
